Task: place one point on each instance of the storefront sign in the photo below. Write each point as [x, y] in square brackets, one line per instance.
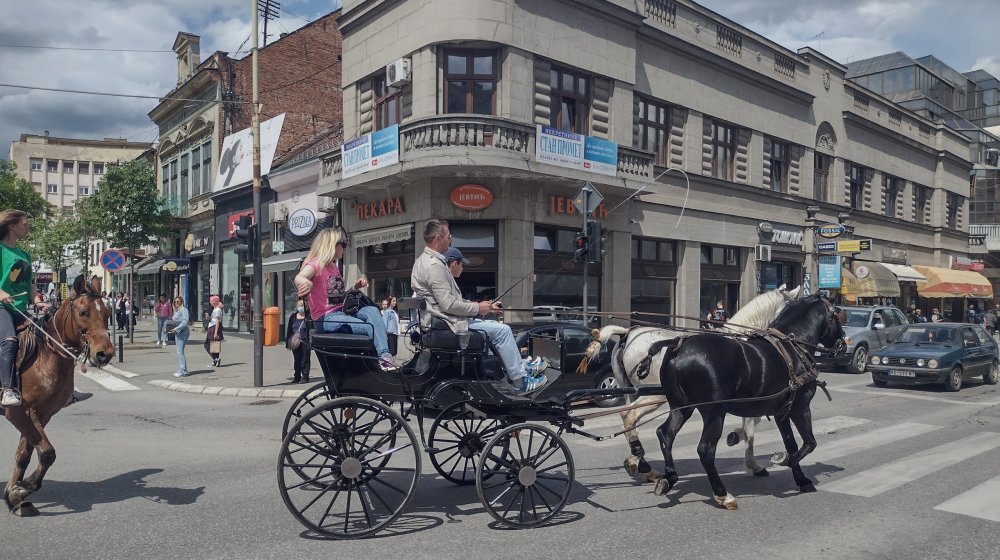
[831, 231]
[198, 242]
[576, 151]
[765, 227]
[827, 246]
[178, 266]
[854, 246]
[564, 205]
[378, 149]
[235, 159]
[894, 255]
[302, 222]
[380, 236]
[233, 218]
[861, 272]
[963, 263]
[379, 208]
[829, 271]
[472, 198]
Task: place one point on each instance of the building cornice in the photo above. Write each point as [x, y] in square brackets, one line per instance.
[851, 117]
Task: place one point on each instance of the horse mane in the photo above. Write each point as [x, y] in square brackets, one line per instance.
[793, 312]
[756, 314]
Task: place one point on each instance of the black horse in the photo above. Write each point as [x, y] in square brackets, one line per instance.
[760, 376]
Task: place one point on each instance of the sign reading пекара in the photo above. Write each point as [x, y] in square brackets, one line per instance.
[575, 151]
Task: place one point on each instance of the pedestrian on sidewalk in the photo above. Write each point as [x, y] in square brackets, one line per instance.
[121, 311]
[213, 334]
[181, 335]
[391, 319]
[297, 340]
[163, 313]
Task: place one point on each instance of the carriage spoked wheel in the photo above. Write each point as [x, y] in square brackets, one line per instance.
[525, 475]
[308, 400]
[458, 437]
[348, 468]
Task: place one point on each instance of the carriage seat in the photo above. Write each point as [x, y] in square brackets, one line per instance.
[440, 336]
[343, 342]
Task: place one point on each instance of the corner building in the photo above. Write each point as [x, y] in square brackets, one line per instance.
[762, 132]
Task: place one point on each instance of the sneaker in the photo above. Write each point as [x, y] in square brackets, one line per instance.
[10, 398]
[531, 384]
[535, 368]
[181, 374]
[217, 363]
[211, 364]
[386, 363]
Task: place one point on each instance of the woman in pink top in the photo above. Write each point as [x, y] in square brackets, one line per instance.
[163, 312]
[320, 281]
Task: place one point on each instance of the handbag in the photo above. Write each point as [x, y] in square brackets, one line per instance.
[297, 336]
[354, 301]
[215, 346]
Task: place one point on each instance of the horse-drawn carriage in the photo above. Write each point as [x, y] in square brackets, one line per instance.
[350, 461]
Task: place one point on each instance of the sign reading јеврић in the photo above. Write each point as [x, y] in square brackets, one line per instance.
[378, 149]
[575, 151]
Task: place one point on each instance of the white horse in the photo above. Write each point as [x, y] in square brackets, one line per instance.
[632, 349]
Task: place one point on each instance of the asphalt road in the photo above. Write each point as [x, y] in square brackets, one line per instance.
[902, 473]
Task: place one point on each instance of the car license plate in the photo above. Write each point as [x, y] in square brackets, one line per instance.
[902, 373]
[817, 354]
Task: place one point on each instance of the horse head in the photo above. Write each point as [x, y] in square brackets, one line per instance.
[82, 322]
[813, 320]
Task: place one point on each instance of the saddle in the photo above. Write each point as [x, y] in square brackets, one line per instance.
[30, 340]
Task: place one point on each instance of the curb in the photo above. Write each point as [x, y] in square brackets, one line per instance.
[227, 391]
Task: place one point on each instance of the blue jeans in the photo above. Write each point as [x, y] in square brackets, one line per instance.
[161, 322]
[181, 338]
[369, 319]
[505, 345]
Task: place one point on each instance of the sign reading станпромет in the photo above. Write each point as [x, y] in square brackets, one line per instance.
[371, 151]
[575, 151]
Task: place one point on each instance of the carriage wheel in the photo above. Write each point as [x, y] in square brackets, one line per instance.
[532, 472]
[348, 468]
[459, 437]
[308, 400]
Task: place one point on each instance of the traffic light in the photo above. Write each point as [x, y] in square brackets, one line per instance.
[244, 233]
[580, 244]
[595, 233]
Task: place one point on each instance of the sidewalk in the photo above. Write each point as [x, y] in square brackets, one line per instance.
[145, 361]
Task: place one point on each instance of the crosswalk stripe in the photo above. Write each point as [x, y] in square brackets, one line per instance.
[889, 476]
[982, 502]
[903, 395]
[869, 440]
[829, 425]
[109, 382]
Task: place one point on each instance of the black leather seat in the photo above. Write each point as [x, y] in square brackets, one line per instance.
[341, 341]
[440, 337]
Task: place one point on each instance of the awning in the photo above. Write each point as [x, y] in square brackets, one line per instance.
[151, 268]
[905, 273]
[280, 263]
[138, 265]
[947, 283]
[991, 272]
[877, 281]
[384, 235]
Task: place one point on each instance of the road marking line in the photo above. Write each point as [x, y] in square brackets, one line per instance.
[889, 476]
[120, 372]
[822, 426]
[981, 502]
[109, 382]
[915, 397]
[863, 442]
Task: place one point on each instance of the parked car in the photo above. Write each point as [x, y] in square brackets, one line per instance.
[564, 344]
[945, 353]
[868, 328]
[558, 313]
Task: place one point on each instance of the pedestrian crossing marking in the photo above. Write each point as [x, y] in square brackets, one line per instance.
[903, 395]
[109, 382]
[889, 476]
[982, 502]
[869, 440]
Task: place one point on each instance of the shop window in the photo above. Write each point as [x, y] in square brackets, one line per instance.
[654, 129]
[716, 255]
[405, 247]
[653, 250]
[569, 100]
[388, 102]
[655, 296]
[470, 81]
[474, 236]
[779, 158]
[723, 145]
[555, 240]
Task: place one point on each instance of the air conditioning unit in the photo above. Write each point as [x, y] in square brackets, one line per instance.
[277, 212]
[327, 204]
[397, 72]
[762, 253]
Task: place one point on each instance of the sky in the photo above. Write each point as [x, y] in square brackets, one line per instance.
[959, 32]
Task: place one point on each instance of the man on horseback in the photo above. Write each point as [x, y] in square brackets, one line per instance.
[16, 291]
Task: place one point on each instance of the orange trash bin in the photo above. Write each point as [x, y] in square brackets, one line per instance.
[272, 326]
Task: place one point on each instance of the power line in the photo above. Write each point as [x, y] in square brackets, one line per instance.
[82, 49]
[108, 94]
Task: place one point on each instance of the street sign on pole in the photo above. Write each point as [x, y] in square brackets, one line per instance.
[112, 260]
[584, 203]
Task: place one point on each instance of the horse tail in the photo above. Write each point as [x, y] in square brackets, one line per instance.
[601, 337]
[671, 344]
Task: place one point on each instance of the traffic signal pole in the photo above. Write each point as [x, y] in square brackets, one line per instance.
[258, 274]
[586, 256]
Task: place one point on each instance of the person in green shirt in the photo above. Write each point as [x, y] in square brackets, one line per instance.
[17, 290]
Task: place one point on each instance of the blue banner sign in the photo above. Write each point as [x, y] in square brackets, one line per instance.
[371, 151]
[829, 271]
[575, 151]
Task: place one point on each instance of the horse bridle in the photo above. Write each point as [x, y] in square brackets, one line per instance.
[82, 355]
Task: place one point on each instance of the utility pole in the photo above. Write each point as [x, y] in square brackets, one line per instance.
[586, 255]
[258, 274]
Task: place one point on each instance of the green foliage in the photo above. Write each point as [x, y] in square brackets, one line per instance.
[128, 209]
[50, 238]
[18, 193]
[88, 228]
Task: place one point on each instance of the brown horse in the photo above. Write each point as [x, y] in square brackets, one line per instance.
[80, 326]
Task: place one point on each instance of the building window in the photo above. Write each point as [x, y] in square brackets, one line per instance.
[185, 175]
[53, 167]
[68, 167]
[84, 167]
[98, 169]
[470, 82]
[569, 100]
[206, 167]
[954, 204]
[52, 189]
[779, 158]
[196, 171]
[921, 197]
[723, 150]
[173, 178]
[165, 180]
[821, 176]
[84, 191]
[36, 164]
[720, 256]
[892, 187]
[654, 129]
[388, 102]
[856, 176]
[653, 250]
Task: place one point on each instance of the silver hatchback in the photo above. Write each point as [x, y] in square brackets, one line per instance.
[868, 328]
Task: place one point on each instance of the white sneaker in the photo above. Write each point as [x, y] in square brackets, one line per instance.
[10, 398]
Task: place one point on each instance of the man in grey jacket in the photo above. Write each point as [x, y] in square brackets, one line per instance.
[432, 280]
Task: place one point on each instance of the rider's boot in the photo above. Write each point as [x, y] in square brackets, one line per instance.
[9, 396]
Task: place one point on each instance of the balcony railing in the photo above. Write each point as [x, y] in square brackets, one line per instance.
[177, 206]
[495, 134]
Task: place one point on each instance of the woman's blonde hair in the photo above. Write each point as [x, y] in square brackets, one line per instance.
[324, 247]
[9, 218]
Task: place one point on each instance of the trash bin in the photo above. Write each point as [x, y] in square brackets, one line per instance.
[272, 326]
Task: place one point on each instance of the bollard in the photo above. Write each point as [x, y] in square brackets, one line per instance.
[121, 350]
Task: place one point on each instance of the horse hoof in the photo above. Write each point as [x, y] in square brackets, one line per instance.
[26, 509]
[807, 488]
[653, 476]
[728, 502]
[662, 487]
[762, 472]
[732, 439]
[780, 459]
[631, 466]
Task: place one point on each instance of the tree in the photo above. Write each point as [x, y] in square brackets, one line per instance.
[50, 239]
[88, 228]
[16, 192]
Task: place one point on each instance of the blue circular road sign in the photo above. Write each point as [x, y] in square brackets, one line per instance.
[112, 260]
